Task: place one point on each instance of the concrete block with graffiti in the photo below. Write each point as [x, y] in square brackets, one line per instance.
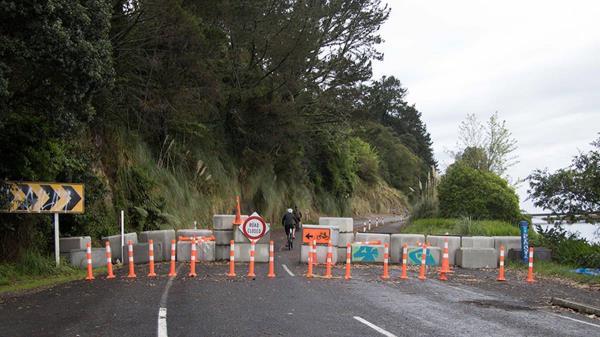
[367, 253]
[432, 258]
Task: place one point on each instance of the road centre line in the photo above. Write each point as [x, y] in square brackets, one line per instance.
[162, 322]
[288, 270]
[374, 327]
[162, 310]
[576, 320]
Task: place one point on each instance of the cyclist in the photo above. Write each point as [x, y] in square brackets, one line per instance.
[289, 222]
[298, 217]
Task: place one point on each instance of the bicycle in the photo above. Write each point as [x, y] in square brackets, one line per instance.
[290, 240]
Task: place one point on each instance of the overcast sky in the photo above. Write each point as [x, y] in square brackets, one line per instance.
[535, 62]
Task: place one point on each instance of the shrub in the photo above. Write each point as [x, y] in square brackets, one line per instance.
[467, 192]
[568, 248]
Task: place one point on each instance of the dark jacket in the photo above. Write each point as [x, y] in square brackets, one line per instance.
[288, 220]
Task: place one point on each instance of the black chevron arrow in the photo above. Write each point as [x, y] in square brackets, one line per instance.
[75, 197]
[30, 197]
[53, 197]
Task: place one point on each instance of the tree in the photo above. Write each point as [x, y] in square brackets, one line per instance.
[575, 189]
[465, 191]
[493, 138]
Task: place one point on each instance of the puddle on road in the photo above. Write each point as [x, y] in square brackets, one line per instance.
[498, 305]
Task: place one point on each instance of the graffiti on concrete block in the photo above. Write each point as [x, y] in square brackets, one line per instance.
[415, 254]
[365, 253]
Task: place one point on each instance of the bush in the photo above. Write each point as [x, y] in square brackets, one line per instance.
[463, 226]
[568, 248]
[467, 192]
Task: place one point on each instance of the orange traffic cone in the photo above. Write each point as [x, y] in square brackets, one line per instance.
[530, 271]
[348, 262]
[501, 271]
[445, 264]
[309, 272]
[251, 269]
[329, 258]
[404, 261]
[231, 259]
[238, 214]
[109, 261]
[130, 259]
[271, 259]
[386, 275]
[422, 276]
[172, 271]
[88, 256]
[193, 259]
[151, 258]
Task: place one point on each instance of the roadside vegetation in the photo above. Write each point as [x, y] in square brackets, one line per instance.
[168, 109]
[34, 270]
[462, 226]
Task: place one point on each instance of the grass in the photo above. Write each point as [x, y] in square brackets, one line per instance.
[464, 226]
[34, 270]
[555, 270]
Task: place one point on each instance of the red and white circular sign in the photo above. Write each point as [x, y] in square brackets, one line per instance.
[254, 227]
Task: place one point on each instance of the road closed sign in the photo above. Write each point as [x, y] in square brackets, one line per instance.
[254, 227]
[322, 235]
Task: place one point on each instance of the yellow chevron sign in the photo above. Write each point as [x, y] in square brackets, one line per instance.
[37, 197]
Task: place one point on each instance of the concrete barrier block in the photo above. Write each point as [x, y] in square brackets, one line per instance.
[453, 245]
[78, 258]
[367, 253]
[539, 254]
[473, 258]
[433, 258]
[509, 242]
[321, 254]
[205, 251]
[193, 232]
[224, 221]
[362, 237]
[140, 253]
[115, 244]
[75, 242]
[242, 252]
[334, 234]
[477, 242]
[239, 237]
[221, 252]
[345, 225]
[341, 254]
[223, 237]
[398, 240]
[344, 239]
[161, 236]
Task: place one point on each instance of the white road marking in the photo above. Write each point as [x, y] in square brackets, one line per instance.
[162, 322]
[288, 270]
[162, 310]
[374, 327]
[576, 320]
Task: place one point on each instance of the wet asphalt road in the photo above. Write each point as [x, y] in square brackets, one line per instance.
[214, 305]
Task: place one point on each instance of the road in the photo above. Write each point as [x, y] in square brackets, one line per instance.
[288, 305]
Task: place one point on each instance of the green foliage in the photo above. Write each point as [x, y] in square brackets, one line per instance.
[464, 191]
[568, 248]
[168, 109]
[575, 189]
[462, 226]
